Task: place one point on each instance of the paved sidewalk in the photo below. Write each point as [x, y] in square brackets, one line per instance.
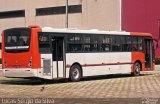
[117, 86]
[112, 86]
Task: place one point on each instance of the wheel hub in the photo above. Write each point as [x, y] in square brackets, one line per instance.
[76, 73]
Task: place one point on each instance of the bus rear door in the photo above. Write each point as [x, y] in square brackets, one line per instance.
[58, 56]
[52, 55]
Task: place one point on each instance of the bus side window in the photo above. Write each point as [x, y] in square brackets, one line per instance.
[44, 45]
[134, 43]
[94, 47]
[128, 44]
[140, 48]
[105, 43]
[140, 42]
[105, 47]
[116, 43]
[87, 48]
[77, 47]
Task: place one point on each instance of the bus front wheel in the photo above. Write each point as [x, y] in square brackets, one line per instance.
[75, 73]
[137, 69]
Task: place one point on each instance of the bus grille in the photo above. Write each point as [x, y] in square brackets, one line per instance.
[47, 67]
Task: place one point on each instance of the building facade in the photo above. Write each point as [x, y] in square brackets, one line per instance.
[142, 16]
[116, 15]
[83, 14]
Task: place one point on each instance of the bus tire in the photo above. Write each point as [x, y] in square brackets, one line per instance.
[137, 69]
[75, 73]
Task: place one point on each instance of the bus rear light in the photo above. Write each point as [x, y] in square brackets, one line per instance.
[30, 62]
[5, 64]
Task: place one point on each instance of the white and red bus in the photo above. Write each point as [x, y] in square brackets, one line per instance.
[50, 53]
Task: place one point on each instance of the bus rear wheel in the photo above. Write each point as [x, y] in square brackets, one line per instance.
[75, 73]
[137, 69]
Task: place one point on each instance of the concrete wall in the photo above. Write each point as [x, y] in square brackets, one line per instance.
[96, 14]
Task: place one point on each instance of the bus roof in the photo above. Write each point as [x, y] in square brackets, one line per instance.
[92, 31]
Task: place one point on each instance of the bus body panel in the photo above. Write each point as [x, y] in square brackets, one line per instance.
[101, 63]
[47, 66]
[98, 58]
[20, 72]
[138, 56]
[65, 30]
[18, 60]
[14, 59]
[36, 62]
[22, 64]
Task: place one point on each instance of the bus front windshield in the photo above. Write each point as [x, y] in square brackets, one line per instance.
[17, 40]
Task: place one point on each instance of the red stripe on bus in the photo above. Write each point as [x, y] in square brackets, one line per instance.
[102, 64]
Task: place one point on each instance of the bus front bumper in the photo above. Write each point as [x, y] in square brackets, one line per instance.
[19, 73]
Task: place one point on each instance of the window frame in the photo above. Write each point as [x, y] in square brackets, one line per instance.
[17, 47]
[49, 48]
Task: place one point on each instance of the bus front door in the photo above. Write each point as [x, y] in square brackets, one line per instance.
[148, 53]
[58, 56]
